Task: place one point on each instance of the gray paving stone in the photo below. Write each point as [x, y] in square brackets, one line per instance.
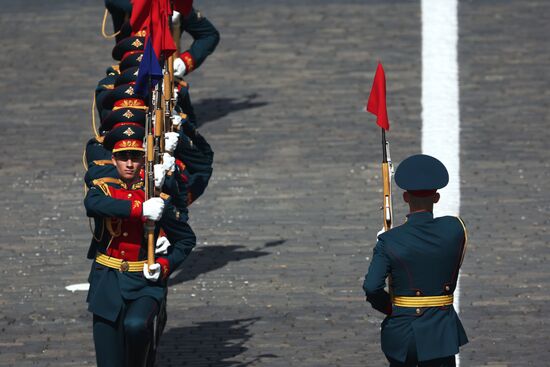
[287, 226]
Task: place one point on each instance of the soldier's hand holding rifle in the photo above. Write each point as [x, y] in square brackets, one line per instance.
[179, 68]
[160, 175]
[171, 141]
[168, 162]
[162, 246]
[176, 119]
[153, 208]
[152, 272]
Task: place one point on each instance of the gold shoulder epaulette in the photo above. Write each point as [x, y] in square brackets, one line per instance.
[138, 185]
[102, 183]
[103, 162]
[107, 180]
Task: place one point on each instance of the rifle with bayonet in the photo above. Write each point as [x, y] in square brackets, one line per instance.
[387, 172]
[149, 178]
[377, 106]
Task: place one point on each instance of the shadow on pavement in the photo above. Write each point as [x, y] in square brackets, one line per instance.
[209, 343]
[211, 109]
[208, 258]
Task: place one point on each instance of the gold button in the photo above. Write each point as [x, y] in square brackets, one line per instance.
[122, 253]
[124, 266]
[129, 195]
[417, 310]
[447, 288]
[125, 234]
[418, 293]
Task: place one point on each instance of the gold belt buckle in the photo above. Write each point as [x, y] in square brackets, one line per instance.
[124, 266]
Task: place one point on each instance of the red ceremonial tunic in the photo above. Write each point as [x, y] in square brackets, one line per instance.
[127, 233]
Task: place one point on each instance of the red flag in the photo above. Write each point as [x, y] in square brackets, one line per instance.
[377, 98]
[152, 15]
[163, 43]
[141, 9]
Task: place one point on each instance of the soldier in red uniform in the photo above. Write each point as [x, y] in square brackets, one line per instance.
[125, 294]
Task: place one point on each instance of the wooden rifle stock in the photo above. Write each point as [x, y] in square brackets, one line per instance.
[168, 92]
[387, 208]
[159, 122]
[149, 193]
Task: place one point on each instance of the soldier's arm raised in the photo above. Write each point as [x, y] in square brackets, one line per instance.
[99, 204]
[205, 39]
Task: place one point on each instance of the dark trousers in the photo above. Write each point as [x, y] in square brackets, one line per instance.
[439, 362]
[412, 359]
[128, 340]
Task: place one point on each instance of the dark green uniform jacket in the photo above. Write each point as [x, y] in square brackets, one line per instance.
[423, 257]
[110, 287]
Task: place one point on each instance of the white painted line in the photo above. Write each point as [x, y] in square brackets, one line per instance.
[440, 101]
[78, 287]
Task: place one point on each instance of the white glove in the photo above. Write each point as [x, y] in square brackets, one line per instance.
[171, 141]
[179, 68]
[168, 162]
[176, 120]
[162, 245]
[381, 231]
[153, 208]
[151, 272]
[160, 175]
[176, 16]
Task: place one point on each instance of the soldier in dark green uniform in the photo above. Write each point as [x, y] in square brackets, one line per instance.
[126, 296]
[422, 259]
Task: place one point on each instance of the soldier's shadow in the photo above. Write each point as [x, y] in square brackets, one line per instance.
[209, 343]
[211, 109]
[208, 258]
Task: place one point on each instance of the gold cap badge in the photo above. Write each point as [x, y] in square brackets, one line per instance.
[129, 132]
[128, 114]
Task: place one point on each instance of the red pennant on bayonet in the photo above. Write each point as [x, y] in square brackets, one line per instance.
[377, 98]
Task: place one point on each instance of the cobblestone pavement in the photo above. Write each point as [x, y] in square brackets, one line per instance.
[287, 226]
